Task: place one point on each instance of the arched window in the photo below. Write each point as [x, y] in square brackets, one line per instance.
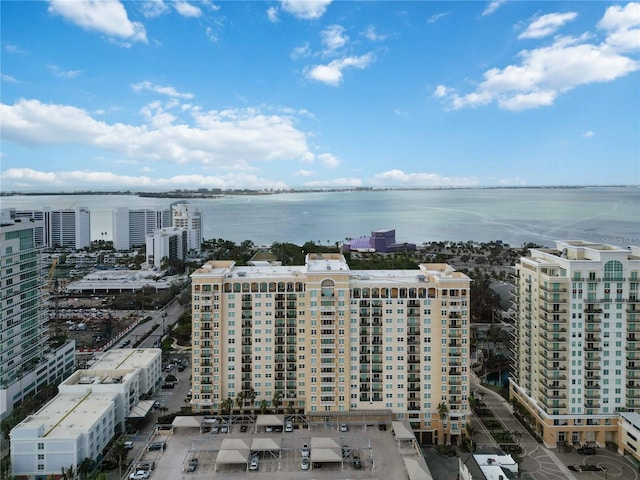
[613, 270]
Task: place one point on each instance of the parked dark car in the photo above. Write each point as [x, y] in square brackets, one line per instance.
[356, 462]
[586, 450]
[243, 428]
[168, 386]
[382, 427]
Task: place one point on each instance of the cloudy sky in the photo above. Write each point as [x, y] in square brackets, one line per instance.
[173, 94]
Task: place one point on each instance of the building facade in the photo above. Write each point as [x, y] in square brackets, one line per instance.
[185, 215]
[69, 228]
[27, 360]
[131, 227]
[166, 243]
[322, 338]
[577, 342]
[90, 409]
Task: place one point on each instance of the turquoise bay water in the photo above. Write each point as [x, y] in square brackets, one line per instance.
[515, 216]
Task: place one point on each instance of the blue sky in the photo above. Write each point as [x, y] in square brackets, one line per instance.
[174, 94]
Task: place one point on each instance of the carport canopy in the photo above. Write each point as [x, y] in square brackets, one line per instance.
[326, 455]
[324, 442]
[233, 451]
[403, 432]
[417, 469]
[141, 409]
[269, 420]
[187, 421]
[264, 444]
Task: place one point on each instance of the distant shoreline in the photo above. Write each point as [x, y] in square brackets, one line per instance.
[215, 193]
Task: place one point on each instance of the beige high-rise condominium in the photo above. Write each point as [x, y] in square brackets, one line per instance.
[320, 337]
[577, 344]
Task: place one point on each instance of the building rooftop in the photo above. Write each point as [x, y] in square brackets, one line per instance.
[126, 359]
[121, 280]
[69, 414]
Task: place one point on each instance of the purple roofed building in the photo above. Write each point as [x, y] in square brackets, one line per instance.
[380, 241]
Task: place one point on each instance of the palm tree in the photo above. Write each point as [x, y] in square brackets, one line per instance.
[120, 453]
[227, 405]
[275, 401]
[69, 473]
[240, 399]
[84, 468]
[263, 407]
[251, 396]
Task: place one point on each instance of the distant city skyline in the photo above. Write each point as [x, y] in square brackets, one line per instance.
[161, 95]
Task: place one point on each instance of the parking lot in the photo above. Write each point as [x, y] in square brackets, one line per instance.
[188, 449]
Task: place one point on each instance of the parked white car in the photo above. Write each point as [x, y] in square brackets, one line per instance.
[139, 475]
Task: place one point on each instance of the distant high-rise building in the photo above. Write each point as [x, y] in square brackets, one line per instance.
[577, 343]
[186, 216]
[61, 228]
[27, 362]
[331, 341]
[131, 227]
[166, 243]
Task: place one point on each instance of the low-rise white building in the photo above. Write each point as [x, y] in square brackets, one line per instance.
[629, 434]
[89, 411]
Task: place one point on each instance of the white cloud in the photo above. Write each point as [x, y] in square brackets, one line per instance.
[154, 8]
[492, 7]
[543, 74]
[235, 137]
[398, 177]
[512, 181]
[588, 134]
[328, 160]
[186, 9]
[401, 113]
[622, 24]
[105, 16]
[272, 14]
[333, 38]
[8, 78]
[547, 24]
[58, 72]
[437, 16]
[26, 177]
[371, 34]
[441, 91]
[304, 173]
[300, 52]
[169, 91]
[305, 9]
[331, 74]
[336, 182]
[11, 48]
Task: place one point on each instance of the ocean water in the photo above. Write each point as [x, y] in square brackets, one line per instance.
[514, 216]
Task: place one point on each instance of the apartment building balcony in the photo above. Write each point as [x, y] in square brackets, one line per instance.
[633, 373]
[455, 390]
[455, 324]
[632, 308]
[414, 368]
[592, 404]
[455, 333]
[559, 320]
[205, 381]
[246, 350]
[553, 337]
[455, 362]
[455, 352]
[246, 368]
[279, 368]
[550, 376]
[552, 404]
[279, 377]
[413, 359]
[413, 322]
[553, 357]
[633, 385]
[591, 347]
[633, 394]
[412, 378]
[592, 357]
[413, 330]
[553, 310]
[552, 289]
[455, 381]
[413, 387]
[365, 397]
[291, 340]
[592, 394]
[455, 371]
[292, 367]
[413, 407]
[246, 377]
[591, 376]
[634, 346]
[551, 384]
[592, 366]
